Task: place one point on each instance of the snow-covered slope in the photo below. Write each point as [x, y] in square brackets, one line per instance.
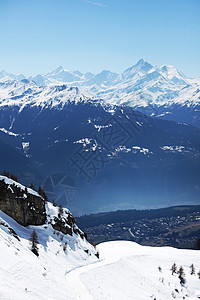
[23, 275]
[68, 268]
[125, 270]
[62, 245]
[132, 273]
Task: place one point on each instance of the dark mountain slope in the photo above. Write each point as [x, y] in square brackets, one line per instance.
[113, 157]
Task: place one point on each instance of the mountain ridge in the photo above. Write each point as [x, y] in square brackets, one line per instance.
[141, 86]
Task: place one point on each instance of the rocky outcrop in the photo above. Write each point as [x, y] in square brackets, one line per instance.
[24, 205]
[27, 207]
[66, 224]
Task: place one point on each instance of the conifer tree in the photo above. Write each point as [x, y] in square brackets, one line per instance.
[6, 173]
[174, 269]
[34, 243]
[32, 187]
[42, 193]
[192, 270]
[13, 177]
[198, 274]
[181, 275]
[60, 211]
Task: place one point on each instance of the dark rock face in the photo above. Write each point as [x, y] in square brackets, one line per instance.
[62, 226]
[67, 225]
[25, 208]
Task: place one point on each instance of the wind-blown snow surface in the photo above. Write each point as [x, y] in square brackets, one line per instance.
[126, 270]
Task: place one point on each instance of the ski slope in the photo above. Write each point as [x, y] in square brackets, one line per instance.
[125, 270]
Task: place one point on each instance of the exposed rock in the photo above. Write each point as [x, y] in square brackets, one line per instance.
[66, 224]
[10, 230]
[27, 207]
[18, 202]
[62, 225]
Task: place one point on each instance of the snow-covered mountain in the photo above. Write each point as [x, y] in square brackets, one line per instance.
[164, 92]
[44, 126]
[22, 93]
[8, 76]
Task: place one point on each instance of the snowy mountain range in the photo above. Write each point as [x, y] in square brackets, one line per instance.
[164, 91]
[44, 126]
[139, 85]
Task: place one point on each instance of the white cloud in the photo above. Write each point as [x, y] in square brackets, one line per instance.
[95, 3]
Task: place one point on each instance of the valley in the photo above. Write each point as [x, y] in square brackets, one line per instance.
[175, 226]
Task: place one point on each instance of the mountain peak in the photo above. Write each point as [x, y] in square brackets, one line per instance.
[140, 67]
[143, 64]
[140, 62]
[59, 69]
[171, 71]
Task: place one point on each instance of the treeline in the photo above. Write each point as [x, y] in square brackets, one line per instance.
[134, 215]
[40, 190]
[10, 175]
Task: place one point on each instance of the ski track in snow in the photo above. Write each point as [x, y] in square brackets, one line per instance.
[78, 286]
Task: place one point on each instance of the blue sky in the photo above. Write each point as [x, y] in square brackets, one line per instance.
[37, 36]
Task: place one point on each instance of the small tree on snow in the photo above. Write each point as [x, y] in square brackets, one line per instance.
[13, 177]
[34, 243]
[6, 173]
[174, 269]
[160, 269]
[54, 203]
[32, 187]
[192, 270]
[181, 275]
[60, 211]
[198, 274]
[42, 193]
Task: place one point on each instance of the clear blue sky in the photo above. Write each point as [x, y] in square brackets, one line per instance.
[37, 36]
